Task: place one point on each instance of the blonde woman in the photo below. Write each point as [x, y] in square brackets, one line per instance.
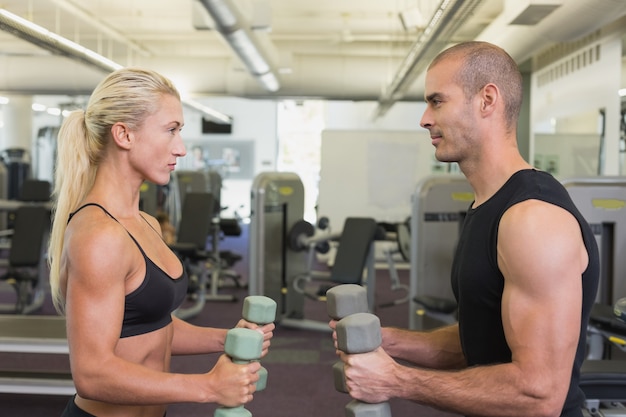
[112, 275]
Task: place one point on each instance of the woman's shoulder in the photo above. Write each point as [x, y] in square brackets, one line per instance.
[94, 231]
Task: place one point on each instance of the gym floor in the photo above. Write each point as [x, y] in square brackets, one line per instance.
[300, 362]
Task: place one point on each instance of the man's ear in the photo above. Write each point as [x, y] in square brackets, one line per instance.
[490, 96]
[121, 135]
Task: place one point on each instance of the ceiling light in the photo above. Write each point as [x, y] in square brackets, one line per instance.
[42, 37]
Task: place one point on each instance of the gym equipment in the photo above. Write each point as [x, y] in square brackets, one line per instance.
[604, 385]
[184, 182]
[360, 333]
[192, 233]
[243, 346]
[620, 309]
[346, 299]
[354, 247]
[17, 162]
[602, 202]
[260, 310]
[34, 335]
[606, 324]
[357, 408]
[26, 264]
[397, 240]
[277, 201]
[439, 204]
[149, 198]
[302, 237]
[190, 246]
[342, 301]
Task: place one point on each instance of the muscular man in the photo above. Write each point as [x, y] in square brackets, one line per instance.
[525, 271]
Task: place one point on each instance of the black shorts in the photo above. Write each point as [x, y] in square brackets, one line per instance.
[72, 410]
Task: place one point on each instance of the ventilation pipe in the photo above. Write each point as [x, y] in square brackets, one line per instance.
[237, 33]
[447, 19]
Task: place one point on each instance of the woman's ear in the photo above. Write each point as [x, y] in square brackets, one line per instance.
[121, 135]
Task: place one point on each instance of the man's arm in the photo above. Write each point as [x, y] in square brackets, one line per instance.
[542, 257]
[437, 349]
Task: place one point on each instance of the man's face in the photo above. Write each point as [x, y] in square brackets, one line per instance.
[448, 115]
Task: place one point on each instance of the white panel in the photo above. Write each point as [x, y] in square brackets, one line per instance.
[356, 182]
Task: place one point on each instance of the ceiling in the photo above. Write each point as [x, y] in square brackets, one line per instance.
[336, 49]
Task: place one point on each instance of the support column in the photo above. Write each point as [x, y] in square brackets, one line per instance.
[18, 123]
[17, 134]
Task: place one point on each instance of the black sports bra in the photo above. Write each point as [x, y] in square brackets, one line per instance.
[150, 306]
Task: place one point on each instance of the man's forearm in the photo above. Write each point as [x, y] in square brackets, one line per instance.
[436, 349]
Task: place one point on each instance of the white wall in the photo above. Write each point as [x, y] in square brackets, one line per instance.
[583, 89]
[370, 167]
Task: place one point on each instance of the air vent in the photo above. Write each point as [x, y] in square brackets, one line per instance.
[533, 14]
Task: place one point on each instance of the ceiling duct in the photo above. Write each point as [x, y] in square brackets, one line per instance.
[533, 13]
[50, 41]
[237, 33]
[102, 27]
[571, 21]
[446, 20]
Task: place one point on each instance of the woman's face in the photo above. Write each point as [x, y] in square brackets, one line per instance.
[158, 141]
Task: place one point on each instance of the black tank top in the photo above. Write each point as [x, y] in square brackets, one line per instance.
[150, 306]
[478, 283]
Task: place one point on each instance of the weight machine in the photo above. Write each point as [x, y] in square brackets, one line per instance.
[280, 241]
[439, 204]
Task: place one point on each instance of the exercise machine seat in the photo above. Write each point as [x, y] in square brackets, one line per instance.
[194, 226]
[436, 304]
[604, 380]
[354, 246]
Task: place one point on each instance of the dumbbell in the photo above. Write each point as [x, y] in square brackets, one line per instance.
[342, 301]
[260, 310]
[243, 346]
[360, 333]
[356, 408]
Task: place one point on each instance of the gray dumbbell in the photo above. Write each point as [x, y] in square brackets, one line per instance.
[260, 310]
[346, 299]
[243, 346]
[360, 333]
[360, 409]
[342, 301]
